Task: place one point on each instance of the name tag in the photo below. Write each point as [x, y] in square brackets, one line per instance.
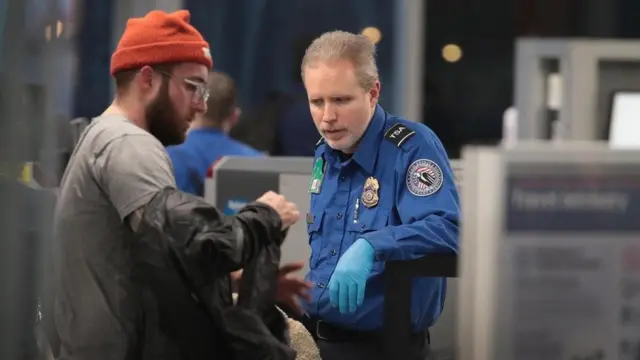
[317, 176]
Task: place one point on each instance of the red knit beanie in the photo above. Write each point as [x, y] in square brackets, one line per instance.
[159, 38]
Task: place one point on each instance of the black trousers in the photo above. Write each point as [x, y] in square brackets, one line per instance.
[368, 350]
[361, 349]
[336, 343]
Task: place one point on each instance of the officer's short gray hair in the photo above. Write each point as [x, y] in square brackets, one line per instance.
[342, 45]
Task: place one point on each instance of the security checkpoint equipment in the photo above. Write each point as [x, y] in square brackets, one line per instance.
[624, 128]
[236, 181]
[571, 81]
[550, 262]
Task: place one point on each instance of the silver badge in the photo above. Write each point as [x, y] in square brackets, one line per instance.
[424, 178]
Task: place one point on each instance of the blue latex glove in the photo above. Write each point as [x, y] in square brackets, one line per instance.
[349, 279]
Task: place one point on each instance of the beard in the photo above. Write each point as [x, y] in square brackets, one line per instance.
[163, 119]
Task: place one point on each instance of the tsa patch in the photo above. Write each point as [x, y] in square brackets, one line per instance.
[424, 178]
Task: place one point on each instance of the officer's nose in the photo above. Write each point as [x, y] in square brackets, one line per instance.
[329, 113]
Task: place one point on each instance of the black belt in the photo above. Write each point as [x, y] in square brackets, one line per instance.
[321, 330]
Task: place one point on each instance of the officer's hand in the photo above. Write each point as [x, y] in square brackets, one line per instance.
[291, 288]
[287, 210]
[349, 279]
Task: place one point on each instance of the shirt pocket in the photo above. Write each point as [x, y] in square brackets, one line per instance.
[314, 229]
[369, 220]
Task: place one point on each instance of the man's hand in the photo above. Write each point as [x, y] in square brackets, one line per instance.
[291, 288]
[349, 280]
[287, 210]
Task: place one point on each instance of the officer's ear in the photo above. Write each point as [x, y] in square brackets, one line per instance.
[374, 94]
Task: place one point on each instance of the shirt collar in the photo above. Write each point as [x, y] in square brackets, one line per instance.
[204, 130]
[367, 151]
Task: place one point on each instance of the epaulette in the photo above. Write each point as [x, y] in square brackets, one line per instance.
[320, 142]
[398, 134]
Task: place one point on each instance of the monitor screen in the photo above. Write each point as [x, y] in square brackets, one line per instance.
[624, 124]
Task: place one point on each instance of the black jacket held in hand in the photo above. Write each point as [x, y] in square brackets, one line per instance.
[185, 252]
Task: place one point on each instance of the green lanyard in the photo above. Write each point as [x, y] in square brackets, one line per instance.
[317, 176]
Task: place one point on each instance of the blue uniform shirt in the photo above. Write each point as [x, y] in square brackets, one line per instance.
[192, 159]
[413, 211]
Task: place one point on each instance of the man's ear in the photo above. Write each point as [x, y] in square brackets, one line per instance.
[145, 78]
[233, 119]
[374, 94]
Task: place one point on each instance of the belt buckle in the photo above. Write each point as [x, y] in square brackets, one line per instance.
[318, 335]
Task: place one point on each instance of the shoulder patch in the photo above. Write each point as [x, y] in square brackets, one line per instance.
[424, 177]
[320, 142]
[398, 134]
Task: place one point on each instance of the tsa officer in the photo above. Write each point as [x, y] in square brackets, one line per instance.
[381, 189]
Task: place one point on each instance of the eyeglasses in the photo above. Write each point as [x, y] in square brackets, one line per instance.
[200, 90]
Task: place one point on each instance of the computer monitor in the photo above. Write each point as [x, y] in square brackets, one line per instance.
[624, 121]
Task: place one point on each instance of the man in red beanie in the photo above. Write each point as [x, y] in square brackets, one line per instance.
[142, 269]
[161, 66]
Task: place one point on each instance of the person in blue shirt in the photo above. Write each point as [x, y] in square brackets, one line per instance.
[382, 189]
[208, 140]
